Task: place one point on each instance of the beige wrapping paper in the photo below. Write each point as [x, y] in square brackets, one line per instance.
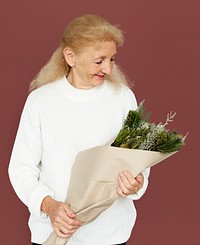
[94, 180]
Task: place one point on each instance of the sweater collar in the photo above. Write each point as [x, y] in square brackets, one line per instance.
[71, 91]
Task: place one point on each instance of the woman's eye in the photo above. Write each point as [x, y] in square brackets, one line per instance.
[113, 59]
[98, 62]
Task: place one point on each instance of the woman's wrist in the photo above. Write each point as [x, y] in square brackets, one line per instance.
[46, 204]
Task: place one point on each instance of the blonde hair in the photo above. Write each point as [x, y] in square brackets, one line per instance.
[82, 32]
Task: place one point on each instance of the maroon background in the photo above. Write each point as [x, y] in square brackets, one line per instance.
[161, 55]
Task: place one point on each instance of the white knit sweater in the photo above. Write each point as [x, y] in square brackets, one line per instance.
[57, 122]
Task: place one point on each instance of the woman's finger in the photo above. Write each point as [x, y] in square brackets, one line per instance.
[128, 184]
[140, 180]
[120, 193]
[128, 180]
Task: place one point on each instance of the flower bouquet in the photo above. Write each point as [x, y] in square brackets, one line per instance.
[93, 182]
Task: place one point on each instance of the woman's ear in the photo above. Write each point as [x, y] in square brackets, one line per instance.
[69, 56]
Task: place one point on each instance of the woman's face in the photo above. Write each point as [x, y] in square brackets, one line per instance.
[92, 65]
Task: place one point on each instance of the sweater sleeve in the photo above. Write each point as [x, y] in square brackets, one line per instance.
[131, 104]
[25, 162]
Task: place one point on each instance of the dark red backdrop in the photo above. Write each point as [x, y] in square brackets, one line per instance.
[161, 55]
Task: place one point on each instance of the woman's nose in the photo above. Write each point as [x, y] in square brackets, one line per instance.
[107, 68]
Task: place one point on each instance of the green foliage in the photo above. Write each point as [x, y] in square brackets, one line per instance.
[138, 133]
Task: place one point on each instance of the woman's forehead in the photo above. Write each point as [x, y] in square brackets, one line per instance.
[103, 48]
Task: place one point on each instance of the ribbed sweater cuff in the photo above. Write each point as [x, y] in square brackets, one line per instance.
[36, 199]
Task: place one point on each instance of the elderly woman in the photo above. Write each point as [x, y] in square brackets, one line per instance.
[79, 100]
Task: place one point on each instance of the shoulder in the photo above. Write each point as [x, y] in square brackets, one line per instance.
[124, 94]
[41, 98]
[44, 93]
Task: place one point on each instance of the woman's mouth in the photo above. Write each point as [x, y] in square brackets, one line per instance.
[100, 76]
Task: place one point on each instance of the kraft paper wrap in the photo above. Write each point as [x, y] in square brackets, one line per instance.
[93, 181]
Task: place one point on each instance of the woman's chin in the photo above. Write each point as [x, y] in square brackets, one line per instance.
[98, 82]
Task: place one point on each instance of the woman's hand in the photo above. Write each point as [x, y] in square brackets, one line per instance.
[128, 185]
[62, 217]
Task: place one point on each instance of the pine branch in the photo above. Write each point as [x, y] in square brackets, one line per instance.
[138, 133]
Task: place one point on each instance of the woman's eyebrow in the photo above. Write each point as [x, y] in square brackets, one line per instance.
[104, 57]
